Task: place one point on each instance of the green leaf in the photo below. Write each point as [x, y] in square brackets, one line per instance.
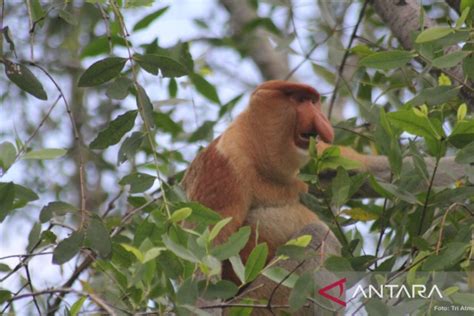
[181, 214]
[144, 103]
[216, 229]
[205, 88]
[468, 66]
[387, 60]
[68, 248]
[147, 20]
[34, 236]
[303, 289]
[130, 146]
[55, 208]
[340, 187]
[7, 156]
[45, 154]
[461, 112]
[450, 255]
[338, 264]
[433, 33]
[434, 96]
[399, 193]
[360, 214]
[462, 134]
[169, 67]
[233, 245]
[115, 130]
[97, 237]
[119, 89]
[139, 182]
[5, 295]
[20, 75]
[7, 196]
[68, 17]
[179, 250]
[221, 290]
[466, 155]
[463, 17]
[450, 60]
[76, 307]
[412, 123]
[255, 262]
[205, 131]
[102, 71]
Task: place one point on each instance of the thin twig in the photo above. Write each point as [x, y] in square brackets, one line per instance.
[344, 58]
[30, 282]
[428, 193]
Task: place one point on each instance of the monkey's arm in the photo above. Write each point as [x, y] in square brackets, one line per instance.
[448, 170]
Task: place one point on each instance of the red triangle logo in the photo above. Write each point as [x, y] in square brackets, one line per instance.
[340, 284]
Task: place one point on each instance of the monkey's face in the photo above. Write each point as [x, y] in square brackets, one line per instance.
[310, 120]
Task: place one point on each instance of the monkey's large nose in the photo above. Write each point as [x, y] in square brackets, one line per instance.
[323, 127]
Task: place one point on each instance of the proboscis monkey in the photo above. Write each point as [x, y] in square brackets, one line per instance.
[250, 172]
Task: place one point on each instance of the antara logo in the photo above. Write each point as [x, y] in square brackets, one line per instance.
[340, 284]
[382, 291]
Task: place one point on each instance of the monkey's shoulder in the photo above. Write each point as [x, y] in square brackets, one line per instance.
[212, 181]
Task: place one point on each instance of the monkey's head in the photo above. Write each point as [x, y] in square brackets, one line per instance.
[285, 116]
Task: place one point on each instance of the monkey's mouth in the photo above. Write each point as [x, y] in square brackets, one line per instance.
[302, 140]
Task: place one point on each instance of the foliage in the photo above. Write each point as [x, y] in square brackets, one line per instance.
[126, 229]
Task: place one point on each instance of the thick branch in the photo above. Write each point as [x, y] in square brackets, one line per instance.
[272, 64]
[403, 18]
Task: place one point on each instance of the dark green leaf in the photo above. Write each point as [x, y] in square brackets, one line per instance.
[55, 208]
[7, 156]
[412, 123]
[144, 103]
[205, 131]
[37, 12]
[450, 255]
[450, 60]
[168, 66]
[68, 17]
[265, 23]
[434, 96]
[5, 295]
[387, 60]
[205, 88]
[221, 290]
[139, 182]
[255, 262]
[4, 267]
[119, 89]
[233, 245]
[173, 88]
[399, 193]
[34, 236]
[7, 196]
[462, 134]
[102, 71]
[336, 264]
[97, 237]
[179, 250]
[147, 20]
[130, 147]
[340, 187]
[468, 66]
[68, 248]
[303, 289]
[164, 122]
[466, 154]
[24, 79]
[115, 131]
